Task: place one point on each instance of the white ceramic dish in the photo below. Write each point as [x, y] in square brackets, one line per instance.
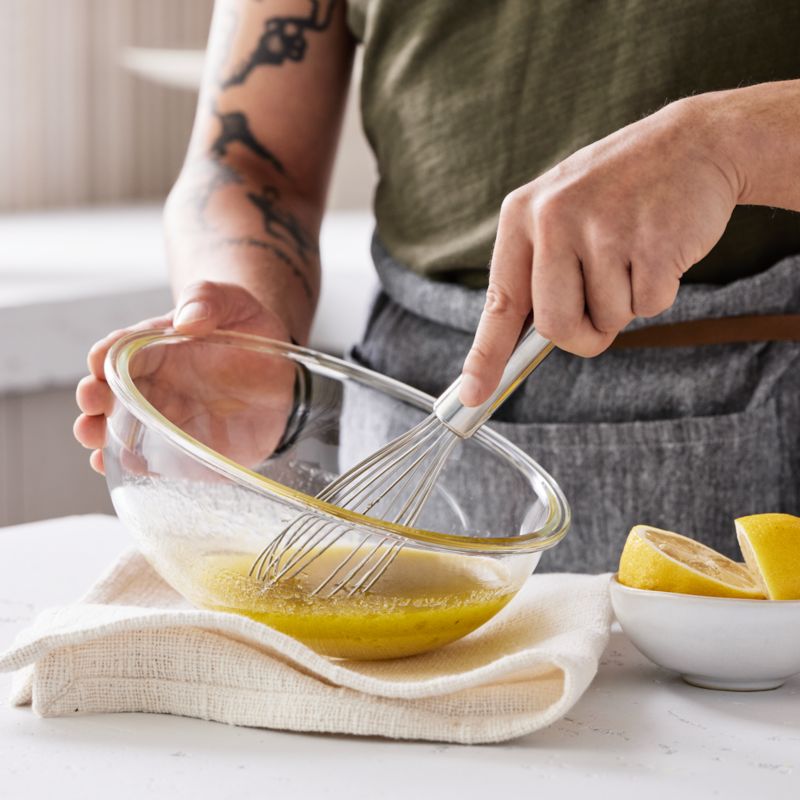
[713, 642]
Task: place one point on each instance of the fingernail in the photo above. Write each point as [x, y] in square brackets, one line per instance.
[469, 392]
[196, 311]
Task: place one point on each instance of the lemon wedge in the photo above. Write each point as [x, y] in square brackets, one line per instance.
[668, 562]
[770, 544]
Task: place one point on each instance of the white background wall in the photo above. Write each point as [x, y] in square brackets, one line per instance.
[79, 128]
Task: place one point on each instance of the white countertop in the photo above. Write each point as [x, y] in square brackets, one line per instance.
[69, 277]
[637, 732]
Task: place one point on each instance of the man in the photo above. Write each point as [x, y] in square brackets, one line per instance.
[613, 151]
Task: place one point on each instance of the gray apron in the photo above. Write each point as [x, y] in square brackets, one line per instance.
[681, 438]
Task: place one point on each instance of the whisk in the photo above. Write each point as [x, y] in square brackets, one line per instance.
[392, 484]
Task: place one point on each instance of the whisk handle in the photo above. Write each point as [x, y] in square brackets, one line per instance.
[530, 351]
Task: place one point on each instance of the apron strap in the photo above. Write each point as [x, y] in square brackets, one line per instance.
[726, 330]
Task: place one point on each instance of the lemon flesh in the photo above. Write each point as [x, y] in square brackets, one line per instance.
[424, 601]
[770, 544]
[668, 562]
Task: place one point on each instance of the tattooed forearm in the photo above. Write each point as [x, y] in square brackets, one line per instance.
[253, 241]
[234, 128]
[216, 172]
[220, 169]
[214, 175]
[283, 39]
[281, 224]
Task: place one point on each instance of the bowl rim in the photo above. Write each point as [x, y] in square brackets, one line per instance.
[632, 590]
[117, 373]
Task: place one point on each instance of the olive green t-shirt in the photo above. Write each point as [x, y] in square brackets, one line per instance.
[465, 100]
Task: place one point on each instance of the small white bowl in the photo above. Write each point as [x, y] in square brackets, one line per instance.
[713, 642]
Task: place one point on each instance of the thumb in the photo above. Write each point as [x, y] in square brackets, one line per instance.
[201, 308]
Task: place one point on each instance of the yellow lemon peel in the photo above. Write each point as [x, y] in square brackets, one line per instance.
[770, 544]
[665, 561]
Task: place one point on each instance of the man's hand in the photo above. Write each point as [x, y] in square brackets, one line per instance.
[603, 237]
[243, 220]
[201, 309]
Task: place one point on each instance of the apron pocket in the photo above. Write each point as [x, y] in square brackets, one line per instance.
[691, 475]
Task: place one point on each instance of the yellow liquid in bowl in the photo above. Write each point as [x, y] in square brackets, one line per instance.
[423, 601]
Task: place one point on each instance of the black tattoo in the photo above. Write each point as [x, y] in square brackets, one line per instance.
[235, 128]
[252, 241]
[283, 39]
[278, 223]
[281, 224]
[215, 175]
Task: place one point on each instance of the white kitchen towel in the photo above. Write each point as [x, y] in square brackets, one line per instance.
[134, 644]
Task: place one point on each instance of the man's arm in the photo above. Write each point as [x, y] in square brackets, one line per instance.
[607, 234]
[242, 221]
[247, 206]
[758, 133]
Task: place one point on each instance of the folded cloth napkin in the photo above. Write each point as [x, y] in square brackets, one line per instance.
[134, 644]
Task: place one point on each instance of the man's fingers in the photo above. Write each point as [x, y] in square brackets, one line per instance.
[97, 354]
[90, 431]
[607, 285]
[203, 307]
[497, 333]
[96, 462]
[94, 396]
[559, 303]
[196, 316]
[508, 302]
[654, 289]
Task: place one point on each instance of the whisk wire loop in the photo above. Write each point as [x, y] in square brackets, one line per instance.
[393, 484]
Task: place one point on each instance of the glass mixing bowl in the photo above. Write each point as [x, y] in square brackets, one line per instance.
[216, 444]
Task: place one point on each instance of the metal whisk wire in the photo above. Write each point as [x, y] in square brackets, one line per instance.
[392, 484]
